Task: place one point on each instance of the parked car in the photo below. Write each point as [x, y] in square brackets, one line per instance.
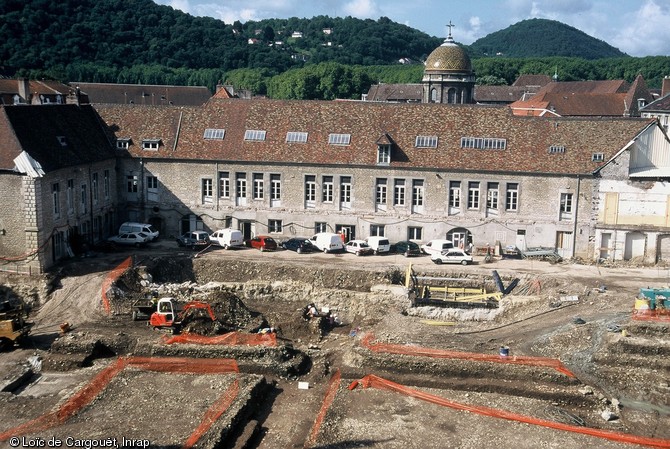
[358, 247]
[130, 238]
[328, 242]
[227, 238]
[453, 255]
[407, 248]
[379, 245]
[299, 245]
[145, 228]
[193, 239]
[262, 242]
[436, 246]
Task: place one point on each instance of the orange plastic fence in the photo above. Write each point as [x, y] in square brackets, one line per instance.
[169, 364]
[384, 384]
[447, 354]
[110, 279]
[231, 339]
[213, 413]
[328, 399]
[651, 315]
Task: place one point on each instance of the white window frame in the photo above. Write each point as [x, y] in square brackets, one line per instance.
[152, 188]
[132, 184]
[70, 196]
[512, 197]
[328, 189]
[566, 205]
[94, 187]
[151, 144]
[414, 233]
[383, 154]
[377, 230]
[275, 187]
[484, 143]
[426, 142]
[84, 198]
[296, 137]
[224, 184]
[556, 149]
[241, 185]
[275, 226]
[399, 192]
[207, 190]
[418, 193]
[320, 226]
[381, 193]
[474, 195]
[214, 134]
[55, 193]
[105, 184]
[254, 135]
[346, 190]
[339, 139]
[258, 186]
[492, 196]
[455, 194]
[598, 157]
[310, 189]
[122, 144]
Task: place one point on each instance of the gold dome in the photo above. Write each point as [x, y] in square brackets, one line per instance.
[449, 57]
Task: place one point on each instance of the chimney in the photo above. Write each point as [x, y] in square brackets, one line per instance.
[665, 88]
[24, 89]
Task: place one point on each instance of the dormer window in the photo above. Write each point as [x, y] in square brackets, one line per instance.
[556, 149]
[339, 139]
[62, 140]
[426, 142]
[122, 144]
[383, 154]
[254, 135]
[151, 144]
[214, 134]
[597, 157]
[296, 137]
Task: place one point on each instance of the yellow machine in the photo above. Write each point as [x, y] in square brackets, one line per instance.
[13, 325]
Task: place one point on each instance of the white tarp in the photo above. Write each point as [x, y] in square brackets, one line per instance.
[29, 166]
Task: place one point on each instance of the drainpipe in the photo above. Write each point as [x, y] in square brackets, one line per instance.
[176, 137]
[91, 237]
[574, 226]
[140, 191]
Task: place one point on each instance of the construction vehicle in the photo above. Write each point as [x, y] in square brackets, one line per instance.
[13, 324]
[167, 315]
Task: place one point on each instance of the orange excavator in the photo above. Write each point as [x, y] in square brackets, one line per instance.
[167, 315]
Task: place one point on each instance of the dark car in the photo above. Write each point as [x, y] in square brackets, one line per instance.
[262, 242]
[299, 245]
[407, 248]
[193, 239]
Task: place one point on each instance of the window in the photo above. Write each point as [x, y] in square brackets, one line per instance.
[384, 154]
[151, 145]
[426, 142]
[320, 227]
[94, 187]
[105, 184]
[473, 195]
[598, 157]
[241, 185]
[377, 230]
[512, 197]
[414, 233]
[381, 191]
[131, 184]
[70, 196]
[214, 134]
[254, 135]
[556, 149]
[339, 139]
[492, 195]
[275, 226]
[483, 143]
[207, 191]
[258, 186]
[566, 203]
[152, 188]
[55, 192]
[327, 190]
[296, 137]
[310, 188]
[455, 194]
[122, 144]
[345, 190]
[399, 192]
[224, 184]
[417, 192]
[84, 198]
[275, 187]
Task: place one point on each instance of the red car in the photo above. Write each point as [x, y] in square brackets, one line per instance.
[262, 242]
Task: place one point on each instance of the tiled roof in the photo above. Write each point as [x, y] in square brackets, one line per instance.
[396, 92]
[532, 81]
[144, 94]
[660, 105]
[527, 138]
[36, 130]
[498, 94]
[583, 105]
[590, 87]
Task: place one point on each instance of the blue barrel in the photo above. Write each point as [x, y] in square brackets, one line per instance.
[504, 351]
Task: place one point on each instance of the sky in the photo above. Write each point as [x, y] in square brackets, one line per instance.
[636, 27]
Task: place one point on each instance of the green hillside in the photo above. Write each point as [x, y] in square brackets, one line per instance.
[537, 38]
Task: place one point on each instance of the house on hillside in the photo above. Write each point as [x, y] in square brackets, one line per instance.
[144, 94]
[660, 108]
[59, 178]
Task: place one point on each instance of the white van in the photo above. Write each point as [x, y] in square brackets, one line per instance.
[227, 238]
[380, 245]
[436, 246]
[130, 227]
[328, 242]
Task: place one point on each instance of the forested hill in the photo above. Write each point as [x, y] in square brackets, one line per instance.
[536, 38]
[43, 34]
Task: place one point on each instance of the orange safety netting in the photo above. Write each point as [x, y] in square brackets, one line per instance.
[328, 399]
[213, 414]
[231, 339]
[474, 356]
[651, 315]
[169, 364]
[110, 279]
[384, 384]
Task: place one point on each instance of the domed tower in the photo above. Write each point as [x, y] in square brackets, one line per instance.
[448, 76]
